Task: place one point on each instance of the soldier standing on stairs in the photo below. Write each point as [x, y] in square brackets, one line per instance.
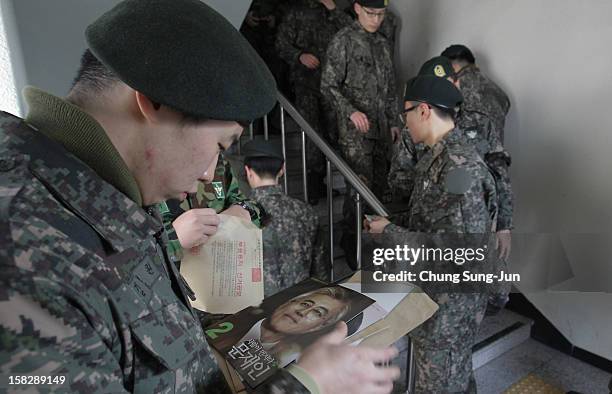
[302, 41]
[359, 80]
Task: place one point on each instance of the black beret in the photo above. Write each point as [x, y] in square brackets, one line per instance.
[373, 3]
[183, 54]
[438, 66]
[262, 148]
[433, 90]
[458, 51]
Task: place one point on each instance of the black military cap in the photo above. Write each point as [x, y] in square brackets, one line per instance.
[438, 66]
[433, 90]
[262, 148]
[185, 55]
[373, 3]
[458, 51]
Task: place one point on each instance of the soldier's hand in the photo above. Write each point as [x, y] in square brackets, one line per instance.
[251, 19]
[395, 134]
[194, 227]
[329, 4]
[238, 211]
[360, 120]
[377, 225]
[339, 368]
[310, 61]
[504, 244]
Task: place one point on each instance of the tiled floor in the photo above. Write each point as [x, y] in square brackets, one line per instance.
[551, 365]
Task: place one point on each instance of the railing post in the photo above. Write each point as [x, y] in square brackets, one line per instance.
[410, 368]
[304, 177]
[266, 127]
[251, 131]
[330, 214]
[282, 116]
[359, 224]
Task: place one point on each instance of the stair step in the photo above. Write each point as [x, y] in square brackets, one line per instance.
[499, 334]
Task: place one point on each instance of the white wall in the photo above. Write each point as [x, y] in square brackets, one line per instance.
[553, 58]
[51, 35]
[11, 61]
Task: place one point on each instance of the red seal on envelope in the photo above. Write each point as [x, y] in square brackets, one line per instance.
[255, 275]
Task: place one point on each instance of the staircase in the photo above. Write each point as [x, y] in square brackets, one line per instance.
[497, 335]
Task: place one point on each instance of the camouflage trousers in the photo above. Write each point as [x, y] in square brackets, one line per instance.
[315, 110]
[368, 159]
[443, 344]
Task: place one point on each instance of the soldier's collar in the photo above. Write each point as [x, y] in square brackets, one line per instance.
[451, 137]
[82, 136]
[470, 68]
[266, 190]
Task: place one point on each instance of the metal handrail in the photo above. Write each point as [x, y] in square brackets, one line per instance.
[330, 155]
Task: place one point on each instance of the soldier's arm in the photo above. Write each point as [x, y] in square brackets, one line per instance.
[402, 173]
[499, 163]
[334, 74]
[47, 329]
[285, 39]
[498, 160]
[392, 107]
[235, 196]
[320, 268]
[339, 18]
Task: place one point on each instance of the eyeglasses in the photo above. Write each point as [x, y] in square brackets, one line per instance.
[402, 115]
[373, 14]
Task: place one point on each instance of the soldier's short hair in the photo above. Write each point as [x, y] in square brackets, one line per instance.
[264, 167]
[93, 79]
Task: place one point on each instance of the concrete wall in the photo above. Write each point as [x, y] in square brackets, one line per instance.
[51, 36]
[12, 73]
[553, 59]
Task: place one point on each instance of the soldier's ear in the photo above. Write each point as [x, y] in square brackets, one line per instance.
[281, 172]
[152, 111]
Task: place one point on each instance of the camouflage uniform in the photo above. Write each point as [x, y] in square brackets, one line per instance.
[388, 28]
[220, 194]
[483, 118]
[483, 95]
[293, 245]
[358, 75]
[308, 27]
[443, 344]
[87, 290]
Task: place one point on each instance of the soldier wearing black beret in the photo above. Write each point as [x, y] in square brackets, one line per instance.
[89, 294]
[454, 193]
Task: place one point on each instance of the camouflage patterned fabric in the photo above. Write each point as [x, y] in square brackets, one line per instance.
[308, 27]
[477, 130]
[443, 345]
[222, 193]
[358, 75]
[87, 290]
[483, 95]
[293, 246]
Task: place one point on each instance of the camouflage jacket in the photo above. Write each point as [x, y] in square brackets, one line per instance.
[293, 246]
[454, 191]
[223, 192]
[476, 129]
[358, 75]
[308, 27]
[483, 95]
[87, 290]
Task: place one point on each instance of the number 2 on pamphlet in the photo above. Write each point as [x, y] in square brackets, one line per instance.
[223, 328]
